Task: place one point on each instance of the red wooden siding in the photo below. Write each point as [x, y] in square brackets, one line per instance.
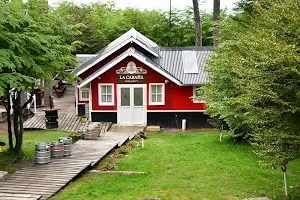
[109, 77]
[182, 98]
[176, 97]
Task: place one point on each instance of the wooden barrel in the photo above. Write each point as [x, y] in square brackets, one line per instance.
[51, 118]
[57, 150]
[67, 141]
[91, 135]
[42, 153]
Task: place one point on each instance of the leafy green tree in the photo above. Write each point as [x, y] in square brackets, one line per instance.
[255, 81]
[93, 38]
[35, 45]
[104, 23]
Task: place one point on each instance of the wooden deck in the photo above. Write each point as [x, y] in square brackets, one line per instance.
[66, 122]
[43, 181]
[65, 104]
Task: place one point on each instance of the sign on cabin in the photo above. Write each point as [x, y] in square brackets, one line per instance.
[131, 74]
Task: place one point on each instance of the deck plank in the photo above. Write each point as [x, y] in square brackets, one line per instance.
[77, 127]
[43, 181]
[61, 120]
[75, 124]
[66, 122]
[72, 124]
[9, 196]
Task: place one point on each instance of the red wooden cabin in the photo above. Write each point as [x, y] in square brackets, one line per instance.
[134, 81]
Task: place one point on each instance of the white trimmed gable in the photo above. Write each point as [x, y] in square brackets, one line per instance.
[130, 52]
[131, 36]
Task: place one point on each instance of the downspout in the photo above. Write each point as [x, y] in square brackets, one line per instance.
[76, 98]
[90, 103]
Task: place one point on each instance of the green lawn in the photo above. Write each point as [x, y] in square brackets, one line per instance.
[8, 159]
[187, 166]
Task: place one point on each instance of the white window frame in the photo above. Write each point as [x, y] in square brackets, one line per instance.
[195, 94]
[150, 94]
[100, 93]
[84, 89]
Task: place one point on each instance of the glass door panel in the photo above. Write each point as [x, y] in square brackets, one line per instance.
[138, 97]
[125, 96]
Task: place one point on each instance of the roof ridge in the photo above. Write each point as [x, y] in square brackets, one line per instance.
[203, 48]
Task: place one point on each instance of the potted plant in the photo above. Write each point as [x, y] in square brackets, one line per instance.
[76, 136]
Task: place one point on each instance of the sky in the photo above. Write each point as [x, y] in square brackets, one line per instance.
[160, 4]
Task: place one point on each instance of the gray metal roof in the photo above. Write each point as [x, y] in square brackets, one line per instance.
[171, 60]
[91, 76]
[83, 58]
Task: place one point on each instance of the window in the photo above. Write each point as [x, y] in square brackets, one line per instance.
[190, 65]
[157, 94]
[195, 93]
[106, 94]
[84, 92]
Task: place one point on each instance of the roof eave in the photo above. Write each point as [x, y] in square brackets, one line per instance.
[114, 49]
[129, 52]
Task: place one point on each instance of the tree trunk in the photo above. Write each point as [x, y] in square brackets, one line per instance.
[16, 106]
[216, 16]
[48, 92]
[9, 130]
[198, 26]
[8, 111]
[21, 132]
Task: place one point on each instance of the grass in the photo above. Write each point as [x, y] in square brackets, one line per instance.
[187, 166]
[8, 159]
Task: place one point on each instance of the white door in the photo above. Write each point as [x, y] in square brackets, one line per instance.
[132, 104]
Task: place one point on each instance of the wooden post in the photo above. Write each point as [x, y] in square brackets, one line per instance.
[285, 184]
[143, 143]
[221, 132]
[34, 103]
[283, 168]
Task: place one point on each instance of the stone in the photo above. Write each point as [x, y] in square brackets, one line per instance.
[153, 198]
[153, 128]
[117, 172]
[3, 175]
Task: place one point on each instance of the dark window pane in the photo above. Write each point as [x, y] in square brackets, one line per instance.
[138, 96]
[125, 96]
[159, 98]
[153, 98]
[103, 98]
[109, 89]
[153, 89]
[159, 89]
[109, 98]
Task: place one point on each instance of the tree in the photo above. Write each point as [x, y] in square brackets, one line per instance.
[92, 36]
[104, 23]
[254, 81]
[216, 15]
[198, 26]
[34, 46]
